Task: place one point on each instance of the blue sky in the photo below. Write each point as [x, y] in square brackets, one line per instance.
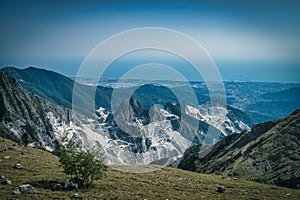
[252, 40]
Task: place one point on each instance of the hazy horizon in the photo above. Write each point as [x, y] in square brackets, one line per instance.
[115, 76]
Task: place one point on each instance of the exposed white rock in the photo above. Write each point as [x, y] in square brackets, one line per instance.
[148, 140]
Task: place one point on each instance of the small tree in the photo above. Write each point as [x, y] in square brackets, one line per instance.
[197, 165]
[25, 139]
[80, 164]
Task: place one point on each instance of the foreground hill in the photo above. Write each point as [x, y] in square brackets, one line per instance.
[41, 170]
[268, 153]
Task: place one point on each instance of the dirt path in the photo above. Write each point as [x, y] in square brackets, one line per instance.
[136, 168]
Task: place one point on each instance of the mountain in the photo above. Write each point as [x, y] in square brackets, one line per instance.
[263, 101]
[58, 88]
[275, 105]
[47, 84]
[268, 153]
[272, 110]
[150, 94]
[23, 112]
[130, 135]
[291, 94]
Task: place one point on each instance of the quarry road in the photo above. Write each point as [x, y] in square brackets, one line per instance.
[136, 168]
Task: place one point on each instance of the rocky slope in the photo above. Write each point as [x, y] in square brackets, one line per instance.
[160, 134]
[269, 153]
[23, 112]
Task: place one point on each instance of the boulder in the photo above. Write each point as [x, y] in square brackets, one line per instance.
[69, 185]
[287, 195]
[6, 182]
[220, 188]
[18, 166]
[6, 157]
[16, 192]
[76, 196]
[51, 163]
[57, 187]
[27, 188]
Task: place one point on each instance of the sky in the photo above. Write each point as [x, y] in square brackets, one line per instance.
[248, 40]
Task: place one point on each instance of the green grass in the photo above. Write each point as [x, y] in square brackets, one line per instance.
[42, 170]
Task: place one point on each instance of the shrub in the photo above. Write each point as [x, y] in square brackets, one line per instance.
[81, 164]
[25, 139]
[198, 166]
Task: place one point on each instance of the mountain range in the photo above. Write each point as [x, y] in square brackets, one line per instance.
[268, 153]
[253, 98]
[152, 127]
[130, 135]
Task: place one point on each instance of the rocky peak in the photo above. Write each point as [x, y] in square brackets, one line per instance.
[155, 113]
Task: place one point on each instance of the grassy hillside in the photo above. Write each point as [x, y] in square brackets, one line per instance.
[41, 169]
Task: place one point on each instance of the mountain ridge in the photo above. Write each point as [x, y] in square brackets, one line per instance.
[268, 153]
[248, 97]
[24, 112]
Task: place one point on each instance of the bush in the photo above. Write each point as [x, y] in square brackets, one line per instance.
[198, 165]
[25, 139]
[82, 165]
